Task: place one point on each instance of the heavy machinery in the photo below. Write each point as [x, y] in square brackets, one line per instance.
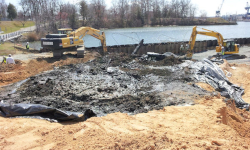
[219, 9]
[65, 31]
[229, 45]
[68, 40]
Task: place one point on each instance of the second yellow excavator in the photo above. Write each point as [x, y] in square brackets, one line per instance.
[229, 45]
[67, 39]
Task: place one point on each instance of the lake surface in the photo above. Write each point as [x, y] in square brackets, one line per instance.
[125, 36]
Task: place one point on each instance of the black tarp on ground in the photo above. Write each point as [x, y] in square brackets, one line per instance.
[13, 110]
[212, 74]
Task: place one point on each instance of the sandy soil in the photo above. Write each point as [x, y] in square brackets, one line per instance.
[238, 74]
[210, 124]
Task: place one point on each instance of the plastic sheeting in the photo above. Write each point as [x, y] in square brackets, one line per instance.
[13, 110]
[212, 74]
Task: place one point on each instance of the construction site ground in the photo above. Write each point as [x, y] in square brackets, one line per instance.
[197, 121]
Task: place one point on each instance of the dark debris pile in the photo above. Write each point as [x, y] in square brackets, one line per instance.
[113, 83]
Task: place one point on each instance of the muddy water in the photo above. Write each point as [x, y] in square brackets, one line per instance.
[106, 86]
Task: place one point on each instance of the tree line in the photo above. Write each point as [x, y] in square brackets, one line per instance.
[54, 14]
[136, 13]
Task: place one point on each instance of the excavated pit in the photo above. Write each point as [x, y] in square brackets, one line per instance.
[113, 83]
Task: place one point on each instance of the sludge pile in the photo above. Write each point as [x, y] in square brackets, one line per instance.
[114, 83]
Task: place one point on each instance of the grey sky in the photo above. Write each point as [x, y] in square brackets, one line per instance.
[210, 6]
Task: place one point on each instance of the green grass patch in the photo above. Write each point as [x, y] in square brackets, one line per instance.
[12, 26]
[7, 48]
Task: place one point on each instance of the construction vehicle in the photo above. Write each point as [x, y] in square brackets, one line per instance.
[65, 31]
[219, 9]
[68, 40]
[229, 45]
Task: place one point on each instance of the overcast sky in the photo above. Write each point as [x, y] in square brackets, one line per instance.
[210, 6]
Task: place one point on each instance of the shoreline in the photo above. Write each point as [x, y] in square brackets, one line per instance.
[148, 26]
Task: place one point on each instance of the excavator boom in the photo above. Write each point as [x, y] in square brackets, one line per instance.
[207, 32]
[59, 43]
[82, 31]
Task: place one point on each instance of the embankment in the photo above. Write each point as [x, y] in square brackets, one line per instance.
[23, 49]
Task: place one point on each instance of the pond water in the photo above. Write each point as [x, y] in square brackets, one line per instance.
[125, 36]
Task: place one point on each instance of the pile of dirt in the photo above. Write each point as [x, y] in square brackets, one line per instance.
[239, 74]
[196, 127]
[105, 88]
[116, 59]
[236, 118]
[210, 124]
[11, 67]
[205, 86]
[167, 61]
[41, 88]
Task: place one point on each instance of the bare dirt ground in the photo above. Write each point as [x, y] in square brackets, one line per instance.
[210, 124]
[32, 64]
[244, 51]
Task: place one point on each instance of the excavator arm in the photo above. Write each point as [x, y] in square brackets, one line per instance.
[82, 31]
[207, 33]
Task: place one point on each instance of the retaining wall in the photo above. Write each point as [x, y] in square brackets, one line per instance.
[174, 47]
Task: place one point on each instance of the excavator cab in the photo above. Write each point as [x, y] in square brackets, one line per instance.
[65, 31]
[230, 47]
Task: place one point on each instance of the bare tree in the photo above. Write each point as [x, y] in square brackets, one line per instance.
[192, 10]
[203, 14]
[83, 11]
[3, 9]
[175, 4]
[22, 15]
[184, 8]
[72, 16]
[99, 9]
[165, 9]
[135, 16]
[51, 14]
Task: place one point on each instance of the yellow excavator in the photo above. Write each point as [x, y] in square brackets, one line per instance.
[67, 40]
[229, 45]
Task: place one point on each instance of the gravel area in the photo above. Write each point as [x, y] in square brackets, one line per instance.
[244, 50]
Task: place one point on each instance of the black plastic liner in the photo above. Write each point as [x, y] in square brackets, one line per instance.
[212, 74]
[13, 110]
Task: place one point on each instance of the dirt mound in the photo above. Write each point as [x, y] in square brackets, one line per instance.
[116, 59]
[167, 61]
[201, 126]
[236, 118]
[195, 127]
[11, 67]
[102, 86]
[238, 74]
[41, 88]
[88, 86]
[205, 86]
